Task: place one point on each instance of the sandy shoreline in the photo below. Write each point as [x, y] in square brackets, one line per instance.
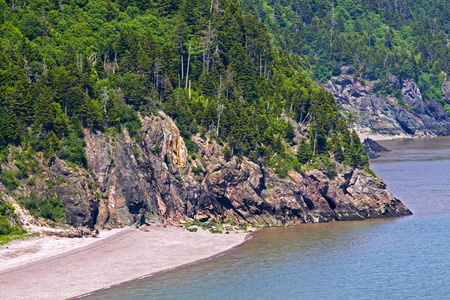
[57, 268]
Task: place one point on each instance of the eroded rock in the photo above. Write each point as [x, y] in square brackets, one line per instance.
[385, 115]
[151, 180]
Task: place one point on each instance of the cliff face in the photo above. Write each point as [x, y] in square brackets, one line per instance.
[54, 178]
[154, 180]
[385, 115]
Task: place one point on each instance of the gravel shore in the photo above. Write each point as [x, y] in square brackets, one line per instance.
[55, 268]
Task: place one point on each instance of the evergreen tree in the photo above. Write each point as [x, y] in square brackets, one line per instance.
[304, 152]
[44, 111]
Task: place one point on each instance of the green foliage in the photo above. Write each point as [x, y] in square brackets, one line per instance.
[371, 172]
[447, 108]
[330, 167]
[281, 166]
[9, 180]
[197, 170]
[218, 229]
[304, 152]
[214, 225]
[16, 236]
[73, 149]
[289, 132]
[375, 39]
[31, 181]
[7, 216]
[99, 65]
[243, 225]
[49, 183]
[135, 153]
[30, 25]
[156, 149]
[60, 180]
[226, 153]
[48, 208]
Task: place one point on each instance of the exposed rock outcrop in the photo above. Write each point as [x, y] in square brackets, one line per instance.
[72, 185]
[152, 179]
[384, 115]
[372, 148]
[77, 198]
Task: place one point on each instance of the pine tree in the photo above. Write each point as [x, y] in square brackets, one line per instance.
[44, 111]
[290, 134]
[9, 127]
[304, 152]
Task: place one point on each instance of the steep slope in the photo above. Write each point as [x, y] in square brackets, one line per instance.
[372, 113]
[115, 113]
[134, 183]
[398, 48]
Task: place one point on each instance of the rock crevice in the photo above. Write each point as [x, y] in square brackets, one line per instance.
[409, 116]
[242, 190]
[151, 180]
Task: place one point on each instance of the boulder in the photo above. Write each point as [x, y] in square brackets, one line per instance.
[411, 94]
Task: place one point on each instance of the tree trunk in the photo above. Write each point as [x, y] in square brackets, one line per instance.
[189, 61]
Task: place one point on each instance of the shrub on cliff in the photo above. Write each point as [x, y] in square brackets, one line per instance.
[47, 208]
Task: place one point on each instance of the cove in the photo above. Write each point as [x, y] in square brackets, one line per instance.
[399, 258]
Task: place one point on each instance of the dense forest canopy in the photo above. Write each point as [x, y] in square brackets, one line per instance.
[376, 39]
[66, 67]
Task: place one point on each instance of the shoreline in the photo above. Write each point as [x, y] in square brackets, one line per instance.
[379, 137]
[21, 252]
[248, 236]
[95, 264]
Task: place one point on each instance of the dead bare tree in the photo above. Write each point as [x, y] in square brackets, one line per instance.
[182, 67]
[333, 23]
[27, 70]
[219, 90]
[80, 62]
[92, 58]
[315, 140]
[208, 39]
[229, 82]
[104, 98]
[215, 6]
[189, 62]
[220, 108]
[44, 68]
[115, 64]
[105, 59]
[157, 74]
[44, 24]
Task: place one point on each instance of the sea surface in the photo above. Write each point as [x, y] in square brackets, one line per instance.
[403, 258]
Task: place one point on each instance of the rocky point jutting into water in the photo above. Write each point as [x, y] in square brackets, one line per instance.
[154, 181]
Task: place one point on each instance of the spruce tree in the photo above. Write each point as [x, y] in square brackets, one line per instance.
[304, 152]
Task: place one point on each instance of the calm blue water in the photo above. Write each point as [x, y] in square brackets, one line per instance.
[405, 258]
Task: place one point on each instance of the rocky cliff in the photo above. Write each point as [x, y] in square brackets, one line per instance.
[410, 117]
[153, 179]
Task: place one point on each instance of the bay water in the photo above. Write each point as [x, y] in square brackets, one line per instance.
[402, 258]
